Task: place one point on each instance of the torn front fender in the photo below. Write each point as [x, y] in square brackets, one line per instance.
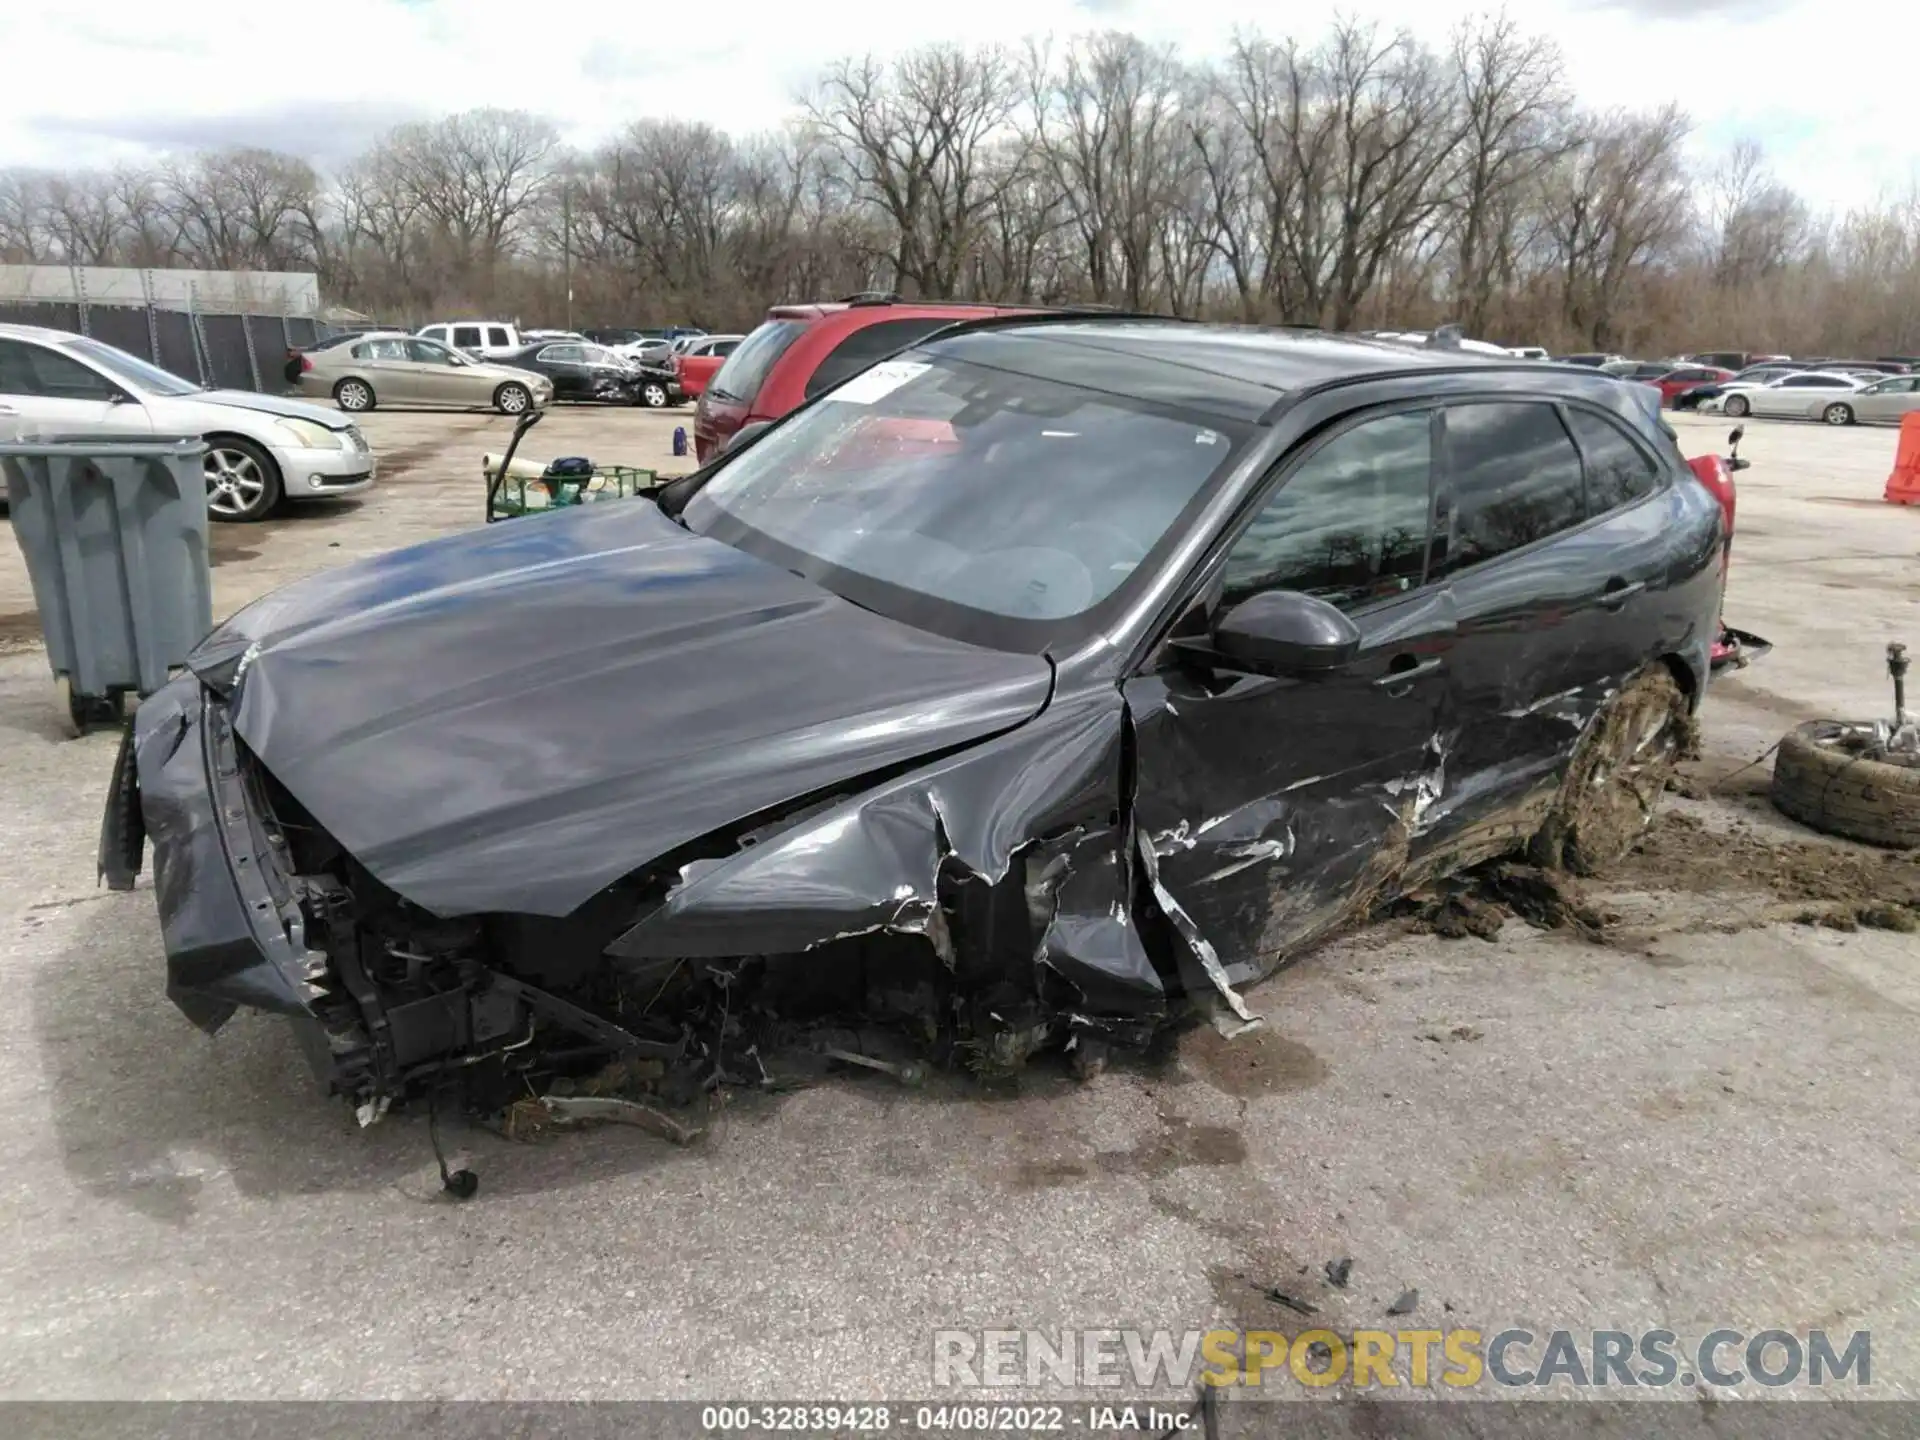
[888, 860]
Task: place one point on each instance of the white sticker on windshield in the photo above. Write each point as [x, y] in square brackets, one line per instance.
[1207, 437]
[879, 382]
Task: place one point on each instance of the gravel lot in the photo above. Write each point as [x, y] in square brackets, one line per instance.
[1707, 1121]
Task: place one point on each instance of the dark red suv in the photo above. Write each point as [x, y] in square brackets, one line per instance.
[802, 350]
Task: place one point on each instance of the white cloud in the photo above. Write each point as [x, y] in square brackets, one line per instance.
[1823, 85]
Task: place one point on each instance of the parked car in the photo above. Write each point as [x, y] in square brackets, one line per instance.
[261, 449]
[487, 339]
[1637, 369]
[1528, 352]
[1184, 682]
[653, 350]
[615, 336]
[1804, 395]
[408, 370]
[1592, 359]
[1886, 400]
[1696, 397]
[582, 371]
[697, 358]
[1860, 367]
[1678, 382]
[802, 350]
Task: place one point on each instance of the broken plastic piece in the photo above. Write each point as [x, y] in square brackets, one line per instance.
[567, 1109]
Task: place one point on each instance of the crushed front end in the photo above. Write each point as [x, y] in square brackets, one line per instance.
[259, 908]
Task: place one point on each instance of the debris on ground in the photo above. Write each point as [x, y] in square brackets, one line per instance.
[1838, 886]
[1409, 1299]
[1813, 882]
[1288, 1302]
[1479, 900]
[1338, 1271]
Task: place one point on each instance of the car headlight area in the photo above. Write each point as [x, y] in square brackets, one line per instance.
[311, 436]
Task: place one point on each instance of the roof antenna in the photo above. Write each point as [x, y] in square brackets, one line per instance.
[1444, 337]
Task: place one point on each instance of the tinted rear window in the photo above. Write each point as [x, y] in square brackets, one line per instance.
[867, 344]
[746, 369]
[1618, 472]
[1516, 479]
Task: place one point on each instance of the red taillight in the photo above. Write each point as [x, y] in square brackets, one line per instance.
[1712, 472]
[306, 364]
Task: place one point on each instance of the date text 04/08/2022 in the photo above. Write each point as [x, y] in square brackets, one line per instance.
[964, 1419]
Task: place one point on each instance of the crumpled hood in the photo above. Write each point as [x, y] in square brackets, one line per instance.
[276, 405]
[512, 718]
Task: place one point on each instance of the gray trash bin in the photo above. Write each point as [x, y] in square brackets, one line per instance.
[115, 535]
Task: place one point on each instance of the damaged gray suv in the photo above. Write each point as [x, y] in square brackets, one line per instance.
[1030, 690]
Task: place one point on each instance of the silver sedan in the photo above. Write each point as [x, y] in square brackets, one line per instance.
[1888, 400]
[1809, 395]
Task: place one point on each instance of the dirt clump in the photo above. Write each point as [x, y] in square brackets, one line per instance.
[1479, 900]
[1681, 853]
[1837, 886]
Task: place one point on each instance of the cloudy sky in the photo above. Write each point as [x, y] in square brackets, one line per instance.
[1822, 84]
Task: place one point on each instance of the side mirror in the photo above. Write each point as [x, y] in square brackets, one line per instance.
[1739, 434]
[1283, 632]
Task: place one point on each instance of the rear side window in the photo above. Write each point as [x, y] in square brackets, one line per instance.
[466, 336]
[1618, 471]
[746, 369]
[497, 336]
[1350, 525]
[1516, 479]
[867, 344]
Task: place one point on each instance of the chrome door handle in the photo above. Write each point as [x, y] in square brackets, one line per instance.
[1618, 592]
[1395, 680]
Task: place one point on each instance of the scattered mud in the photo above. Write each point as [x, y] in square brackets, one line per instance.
[1811, 881]
[1806, 882]
[1479, 901]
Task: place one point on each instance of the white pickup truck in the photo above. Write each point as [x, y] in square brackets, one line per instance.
[489, 339]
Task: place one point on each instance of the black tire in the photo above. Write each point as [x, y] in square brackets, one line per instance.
[1838, 413]
[513, 398]
[653, 395]
[1833, 790]
[243, 481]
[1618, 773]
[1736, 406]
[354, 395]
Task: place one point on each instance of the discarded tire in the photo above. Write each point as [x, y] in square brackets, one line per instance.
[1821, 783]
[1618, 773]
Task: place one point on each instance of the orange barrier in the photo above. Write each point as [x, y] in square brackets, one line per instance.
[1903, 486]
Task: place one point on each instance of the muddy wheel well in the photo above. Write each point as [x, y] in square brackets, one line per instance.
[1684, 677]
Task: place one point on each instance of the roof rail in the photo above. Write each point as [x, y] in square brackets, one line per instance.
[870, 297]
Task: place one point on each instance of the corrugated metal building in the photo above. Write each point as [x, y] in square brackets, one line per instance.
[230, 328]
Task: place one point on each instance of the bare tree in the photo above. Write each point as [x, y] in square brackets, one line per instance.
[915, 138]
[1108, 128]
[474, 177]
[1514, 114]
[1615, 202]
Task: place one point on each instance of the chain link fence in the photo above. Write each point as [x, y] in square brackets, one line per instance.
[228, 329]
